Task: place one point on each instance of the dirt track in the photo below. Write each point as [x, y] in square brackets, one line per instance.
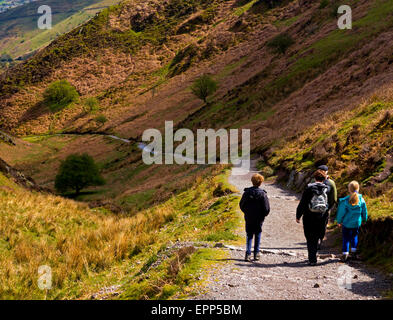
[283, 272]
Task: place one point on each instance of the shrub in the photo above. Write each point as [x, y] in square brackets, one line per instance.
[204, 87]
[267, 172]
[281, 43]
[91, 105]
[59, 95]
[101, 119]
[78, 172]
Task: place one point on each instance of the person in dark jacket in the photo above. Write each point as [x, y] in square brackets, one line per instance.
[312, 207]
[255, 206]
[332, 202]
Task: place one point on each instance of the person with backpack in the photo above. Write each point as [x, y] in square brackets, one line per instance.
[351, 212]
[332, 197]
[255, 206]
[312, 207]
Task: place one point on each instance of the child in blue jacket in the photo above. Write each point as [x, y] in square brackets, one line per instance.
[351, 212]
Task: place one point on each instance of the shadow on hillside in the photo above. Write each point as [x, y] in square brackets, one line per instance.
[79, 196]
[36, 111]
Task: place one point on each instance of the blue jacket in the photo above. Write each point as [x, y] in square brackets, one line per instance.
[351, 216]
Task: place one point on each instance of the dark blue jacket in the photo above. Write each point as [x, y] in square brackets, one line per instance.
[255, 206]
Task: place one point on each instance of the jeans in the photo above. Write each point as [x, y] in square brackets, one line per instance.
[257, 241]
[350, 236]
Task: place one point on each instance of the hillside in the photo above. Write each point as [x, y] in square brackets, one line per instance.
[90, 250]
[139, 64]
[309, 92]
[20, 36]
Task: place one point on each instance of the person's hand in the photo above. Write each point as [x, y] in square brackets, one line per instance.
[340, 225]
[298, 220]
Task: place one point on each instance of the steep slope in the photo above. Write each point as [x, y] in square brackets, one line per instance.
[138, 59]
[88, 250]
[20, 35]
[131, 70]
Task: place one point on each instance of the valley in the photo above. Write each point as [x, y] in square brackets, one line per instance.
[309, 93]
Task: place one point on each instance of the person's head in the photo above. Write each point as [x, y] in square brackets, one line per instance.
[353, 189]
[324, 168]
[320, 175]
[257, 179]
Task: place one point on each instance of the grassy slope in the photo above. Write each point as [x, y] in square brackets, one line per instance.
[89, 249]
[23, 36]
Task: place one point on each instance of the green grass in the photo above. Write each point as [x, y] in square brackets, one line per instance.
[137, 201]
[239, 11]
[287, 22]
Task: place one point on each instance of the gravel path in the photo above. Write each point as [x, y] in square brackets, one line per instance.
[283, 272]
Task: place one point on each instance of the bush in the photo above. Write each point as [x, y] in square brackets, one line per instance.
[78, 172]
[91, 105]
[59, 95]
[101, 119]
[281, 43]
[267, 172]
[204, 87]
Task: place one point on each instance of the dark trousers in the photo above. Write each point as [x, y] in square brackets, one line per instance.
[313, 227]
[257, 241]
[326, 221]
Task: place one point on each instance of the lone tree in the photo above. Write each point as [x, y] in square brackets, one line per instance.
[60, 94]
[78, 172]
[204, 87]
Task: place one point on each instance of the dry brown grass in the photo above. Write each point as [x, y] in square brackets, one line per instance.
[37, 229]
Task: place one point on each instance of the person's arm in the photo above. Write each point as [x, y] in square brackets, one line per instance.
[364, 211]
[330, 196]
[266, 205]
[334, 191]
[340, 212]
[242, 202]
[302, 205]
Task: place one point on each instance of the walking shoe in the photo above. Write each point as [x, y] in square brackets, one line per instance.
[248, 257]
[257, 256]
[344, 257]
[312, 264]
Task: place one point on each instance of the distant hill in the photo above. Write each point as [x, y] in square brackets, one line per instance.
[20, 36]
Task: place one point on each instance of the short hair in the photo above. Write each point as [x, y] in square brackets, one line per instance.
[257, 179]
[320, 175]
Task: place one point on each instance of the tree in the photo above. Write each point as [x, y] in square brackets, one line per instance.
[204, 87]
[59, 95]
[78, 172]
